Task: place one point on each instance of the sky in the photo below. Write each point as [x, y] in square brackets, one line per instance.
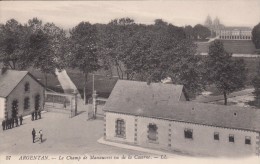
[67, 14]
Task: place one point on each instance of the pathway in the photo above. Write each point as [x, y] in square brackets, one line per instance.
[239, 97]
[235, 55]
[69, 87]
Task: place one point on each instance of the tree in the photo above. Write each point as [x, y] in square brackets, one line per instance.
[256, 84]
[189, 32]
[256, 35]
[201, 32]
[83, 50]
[46, 46]
[12, 44]
[228, 75]
[150, 52]
[113, 39]
[162, 50]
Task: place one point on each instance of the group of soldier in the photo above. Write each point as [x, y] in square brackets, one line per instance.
[35, 115]
[12, 122]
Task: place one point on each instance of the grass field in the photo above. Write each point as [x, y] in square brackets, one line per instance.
[103, 84]
[251, 66]
[231, 46]
[52, 81]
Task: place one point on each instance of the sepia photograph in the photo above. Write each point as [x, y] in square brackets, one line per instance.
[130, 81]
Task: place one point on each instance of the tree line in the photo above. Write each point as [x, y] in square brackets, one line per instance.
[136, 51]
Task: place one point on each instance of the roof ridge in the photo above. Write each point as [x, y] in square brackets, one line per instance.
[150, 83]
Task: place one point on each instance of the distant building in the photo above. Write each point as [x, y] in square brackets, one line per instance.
[20, 93]
[235, 33]
[157, 116]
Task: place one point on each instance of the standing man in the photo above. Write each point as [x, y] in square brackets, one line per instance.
[7, 124]
[41, 134]
[39, 113]
[32, 116]
[16, 121]
[33, 134]
[12, 120]
[36, 115]
[3, 124]
[21, 119]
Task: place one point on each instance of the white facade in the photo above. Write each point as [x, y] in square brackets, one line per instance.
[19, 94]
[235, 34]
[170, 136]
[2, 107]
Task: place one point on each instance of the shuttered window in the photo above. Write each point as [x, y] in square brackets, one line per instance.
[120, 128]
[152, 132]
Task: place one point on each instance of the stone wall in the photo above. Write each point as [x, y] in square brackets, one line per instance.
[2, 108]
[170, 136]
[19, 94]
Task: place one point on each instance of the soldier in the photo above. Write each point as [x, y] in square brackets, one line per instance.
[7, 124]
[3, 124]
[32, 116]
[40, 134]
[16, 121]
[12, 122]
[21, 119]
[39, 113]
[36, 115]
[33, 134]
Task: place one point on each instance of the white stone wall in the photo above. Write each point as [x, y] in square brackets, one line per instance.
[111, 127]
[2, 108]
[142, 132]
[204, 143]
[19, 94]
[171, 136]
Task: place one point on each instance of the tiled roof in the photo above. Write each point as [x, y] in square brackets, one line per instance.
[142, 94]
[136, 103]
[9, 80]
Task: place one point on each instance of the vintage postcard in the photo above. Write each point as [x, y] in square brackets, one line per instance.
[130, 81]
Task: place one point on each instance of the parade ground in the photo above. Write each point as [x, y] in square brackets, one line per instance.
[61, 135]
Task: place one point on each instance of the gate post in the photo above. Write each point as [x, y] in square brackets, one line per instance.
[94, 104]
[75, 94]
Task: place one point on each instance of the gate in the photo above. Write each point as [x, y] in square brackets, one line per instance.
[95, 109]
[61, 102]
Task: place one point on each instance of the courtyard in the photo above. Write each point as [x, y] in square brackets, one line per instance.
[61, 135]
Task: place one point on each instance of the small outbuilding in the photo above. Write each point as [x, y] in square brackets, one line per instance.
[20, 94]
[155, 116]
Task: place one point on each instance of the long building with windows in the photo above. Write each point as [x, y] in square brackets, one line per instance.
[235, 33]
[158, 116]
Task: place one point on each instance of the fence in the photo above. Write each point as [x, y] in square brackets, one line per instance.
[60, 102]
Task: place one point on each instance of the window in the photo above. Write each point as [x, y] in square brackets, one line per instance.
[26, 103]
[152, 132]
[231, 138]
[248, 140]
[188, 133]
[27, 87]
[216, 136]
[120, 128]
